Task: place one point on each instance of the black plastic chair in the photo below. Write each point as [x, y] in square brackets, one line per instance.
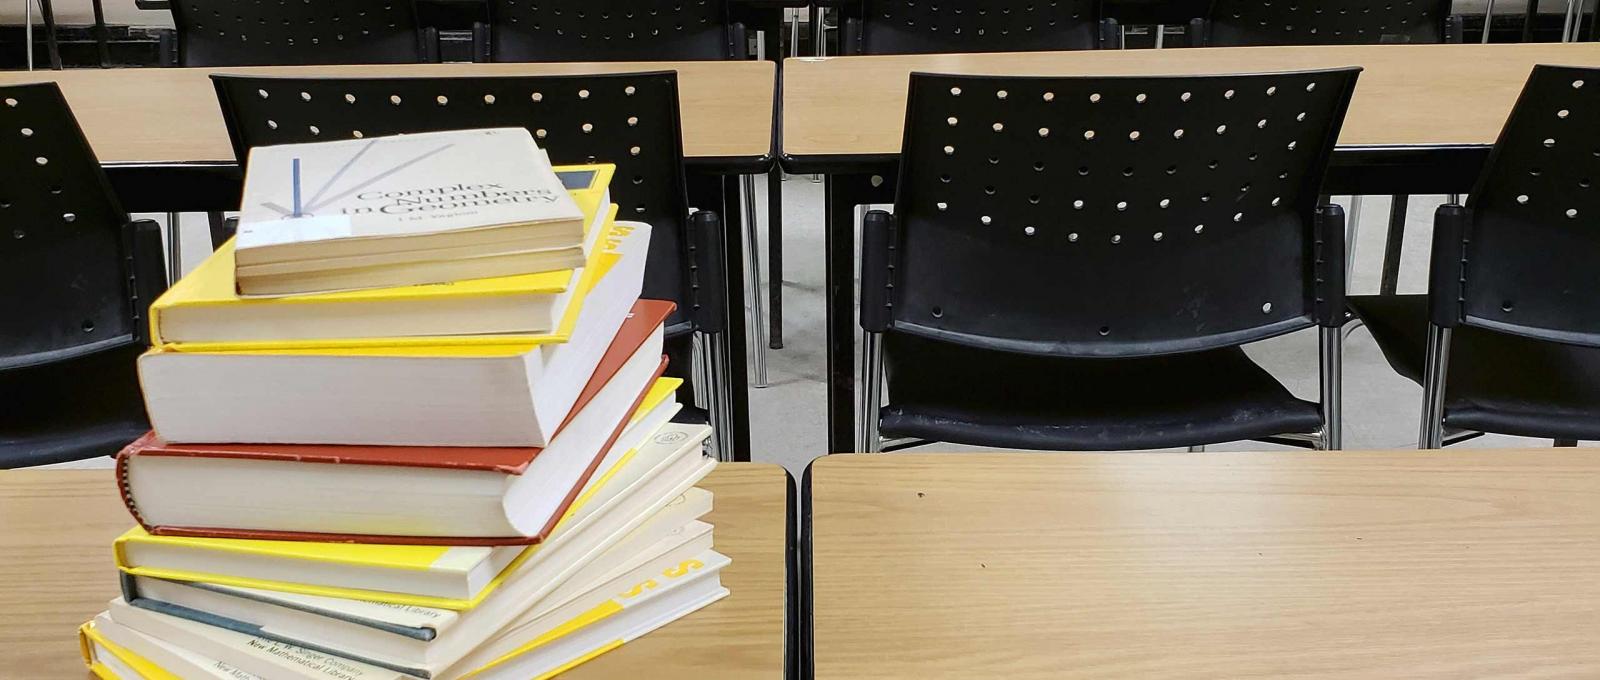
[1511, 316]
[609, 30]
[1074, 263]
[627, 119]
[1330, 22]
[253, 33]
[77, 277]
[911, 27]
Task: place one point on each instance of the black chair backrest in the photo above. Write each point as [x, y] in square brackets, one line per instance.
[1533, 235]
[627, 119]
[1107, 217]
[66, 271]
[613, 30]
[1327, 22]
[919, 27]
[254, 33]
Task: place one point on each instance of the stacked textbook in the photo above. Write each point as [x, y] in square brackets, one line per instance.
[476, 477]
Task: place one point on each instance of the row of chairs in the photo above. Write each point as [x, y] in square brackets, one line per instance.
[1076, 263]
[67, 347]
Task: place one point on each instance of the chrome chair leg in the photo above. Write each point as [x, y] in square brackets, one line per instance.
[717, 362]
[1488, 18]
[1331, 353]
[868, 439]
[1352, 230]
[752, 284]
[27, 30]
[1435, 369]
[174, 248]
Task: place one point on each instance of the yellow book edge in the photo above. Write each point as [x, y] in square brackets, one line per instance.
[658, 393]
[435, 345]
[88, 637]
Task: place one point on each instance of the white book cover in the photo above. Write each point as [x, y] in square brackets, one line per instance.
[405, 185]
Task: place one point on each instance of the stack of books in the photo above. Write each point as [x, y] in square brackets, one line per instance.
[362, 470]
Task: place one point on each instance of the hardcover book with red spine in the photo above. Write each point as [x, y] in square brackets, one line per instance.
[172, 489]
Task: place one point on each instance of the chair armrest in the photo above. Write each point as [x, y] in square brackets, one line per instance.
[1110, 35]
[1329, 266]
[708, 273]
[1447, 265]
[147, 269]
[429, 37]
[1455, 29]
[1196, 33]
[877, 266]
[480, 42]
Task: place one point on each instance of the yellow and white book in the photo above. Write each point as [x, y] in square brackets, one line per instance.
[412, 392]
[115, 652]
[205, 309]
[403, 210]
[565, 639]
[634, 488]
[249, 653]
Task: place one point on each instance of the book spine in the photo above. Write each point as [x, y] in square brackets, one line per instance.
[126, 491]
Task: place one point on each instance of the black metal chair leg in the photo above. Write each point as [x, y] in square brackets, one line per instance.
[102, 35]
[1528, 20]
[51, 46]
[1391, 248]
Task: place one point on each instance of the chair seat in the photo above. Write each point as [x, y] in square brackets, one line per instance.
[1498, 383]
[999, 399]
[82, 408]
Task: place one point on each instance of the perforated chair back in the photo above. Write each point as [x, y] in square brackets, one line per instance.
[628, 119]
[1111, 217]
[1533, 233]
[67, 285]
[613, 30]
[256, 33]
[912, 27]
[1329, 22]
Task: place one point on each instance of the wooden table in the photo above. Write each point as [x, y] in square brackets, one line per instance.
[56, 572]
[1231, 565]
[1422, 121]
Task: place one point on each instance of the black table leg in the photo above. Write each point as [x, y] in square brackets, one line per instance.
[841, 301]
[1392, 246]
[775, 258]
[733, 260]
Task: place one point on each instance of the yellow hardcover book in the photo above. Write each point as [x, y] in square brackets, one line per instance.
[120, 663]
[202, 311]
[491, 345]
[424, 572]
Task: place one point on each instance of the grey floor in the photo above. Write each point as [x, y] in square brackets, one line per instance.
[788, 417]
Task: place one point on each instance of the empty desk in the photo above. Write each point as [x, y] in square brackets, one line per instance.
[1228, 565]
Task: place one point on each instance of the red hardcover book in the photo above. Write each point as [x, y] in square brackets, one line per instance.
[402, 494]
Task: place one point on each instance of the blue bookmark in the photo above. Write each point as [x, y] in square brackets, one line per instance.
[295, 165]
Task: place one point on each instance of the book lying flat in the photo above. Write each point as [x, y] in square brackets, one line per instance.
[405, 394]
[116, 652]
[204, 307]
[422, 641]
[447, 577]
[421, 208]
[401, 494]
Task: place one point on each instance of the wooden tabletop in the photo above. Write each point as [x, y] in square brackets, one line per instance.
[56, 572]
[1408, 94]
[1353, 565]
[150, 115]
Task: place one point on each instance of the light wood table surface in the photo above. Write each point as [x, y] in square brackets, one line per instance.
[56, 572]
[153, 115]
[1461, 564]
[1408, 94]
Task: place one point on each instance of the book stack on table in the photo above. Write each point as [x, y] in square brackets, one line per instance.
[461, 477]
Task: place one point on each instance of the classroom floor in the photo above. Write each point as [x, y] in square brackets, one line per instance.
[789, 416]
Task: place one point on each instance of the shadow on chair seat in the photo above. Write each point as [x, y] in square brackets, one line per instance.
[1498, 382]
[83, 408]
[998, 399]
